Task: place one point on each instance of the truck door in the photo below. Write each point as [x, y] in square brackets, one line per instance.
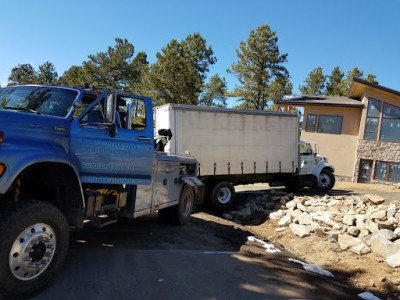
[103, 147]
[307, 159]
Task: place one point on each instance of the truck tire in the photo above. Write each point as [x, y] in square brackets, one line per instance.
[326, 180]
[34, 242]
[179, 214]
[223, 195]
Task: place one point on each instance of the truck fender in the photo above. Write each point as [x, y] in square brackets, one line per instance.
[37, 156]
[192, 181]
[322, 165]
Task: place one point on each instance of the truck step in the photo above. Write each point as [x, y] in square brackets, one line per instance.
[104, 220]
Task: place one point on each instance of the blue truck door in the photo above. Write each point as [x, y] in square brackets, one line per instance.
[126, 158]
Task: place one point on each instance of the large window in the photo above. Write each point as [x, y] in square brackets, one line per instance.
[390, 128]
[330, 124]
[387, 171]
[371, 125]
[311, 122]
[389, 117]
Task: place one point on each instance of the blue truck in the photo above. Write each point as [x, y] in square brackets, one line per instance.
[71, 156]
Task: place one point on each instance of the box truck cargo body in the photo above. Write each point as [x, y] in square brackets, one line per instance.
[240, 147]
[232, 142]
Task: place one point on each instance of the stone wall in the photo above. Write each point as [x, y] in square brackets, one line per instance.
[376, 151]
[340, 178]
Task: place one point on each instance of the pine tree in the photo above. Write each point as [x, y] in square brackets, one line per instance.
[259, 63]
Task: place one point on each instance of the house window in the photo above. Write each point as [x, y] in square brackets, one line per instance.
[330, 124]
[381, 170]
[311, 121]
[371, 124]
[394, 173]
[387, 171]
[390, 127]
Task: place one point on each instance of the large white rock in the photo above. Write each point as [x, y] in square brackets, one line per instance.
[375, 198]
[380, 215]
[291, 204]
[334, 203]
[285, 220]
[349, 220]
[353, 231]
[277, 214]
[383, 247]
[397, 232]
[347, 242]
[387, 234]
[296, 213]
[325, 218]
[315, 227]
[302, 207]
[300, 230]
[304, 219]
[394, 260]
[372, 226]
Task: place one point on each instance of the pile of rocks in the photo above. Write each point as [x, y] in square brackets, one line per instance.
[359, 224]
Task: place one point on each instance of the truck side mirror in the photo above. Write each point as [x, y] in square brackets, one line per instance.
[109, 114]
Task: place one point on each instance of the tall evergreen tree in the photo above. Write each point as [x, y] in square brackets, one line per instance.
[47, 73]
[23, 73]
[372, 78]
[336, 85]
[180, 70]
[115, 68]
[73, 76]
[214, 93]
[259, 63]
[314, 83]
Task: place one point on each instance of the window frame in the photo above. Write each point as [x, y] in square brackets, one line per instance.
[388, 168]
[341, 124]
[315, 124]
[378, 117]
[382, 117]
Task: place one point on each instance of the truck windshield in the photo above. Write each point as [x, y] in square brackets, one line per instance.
[39, 100]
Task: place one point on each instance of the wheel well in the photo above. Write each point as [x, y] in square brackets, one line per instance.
[327, 168]
[55, 183]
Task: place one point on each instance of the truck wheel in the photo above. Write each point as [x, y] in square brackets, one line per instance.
[179, 214]
[34, 241]
[326, 180]
[223, 195]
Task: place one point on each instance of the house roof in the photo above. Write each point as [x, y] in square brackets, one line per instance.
[358, 86]
[320, 101]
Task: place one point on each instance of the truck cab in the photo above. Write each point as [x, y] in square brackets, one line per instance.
[315, 167]
[71, 156]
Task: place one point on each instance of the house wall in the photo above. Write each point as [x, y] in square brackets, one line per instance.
[375, 150]
[340, 149]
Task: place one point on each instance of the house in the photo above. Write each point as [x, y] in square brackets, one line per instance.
[360, 133]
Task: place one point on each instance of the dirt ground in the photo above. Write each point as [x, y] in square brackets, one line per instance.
[367, 272]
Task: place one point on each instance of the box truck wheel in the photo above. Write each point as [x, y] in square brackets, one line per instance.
[179, 214]
[223, 195]
[326, 180]
[34, 241]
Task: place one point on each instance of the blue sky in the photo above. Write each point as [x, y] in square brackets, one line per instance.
[314, 33]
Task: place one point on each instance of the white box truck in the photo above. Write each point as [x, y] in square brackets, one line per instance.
[241, 147]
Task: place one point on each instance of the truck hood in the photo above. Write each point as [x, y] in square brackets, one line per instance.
[32, 130]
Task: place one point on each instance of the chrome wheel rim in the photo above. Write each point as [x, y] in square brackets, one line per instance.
[32, 251]
[224, 195]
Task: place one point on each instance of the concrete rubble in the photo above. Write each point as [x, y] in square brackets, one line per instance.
[360, 224]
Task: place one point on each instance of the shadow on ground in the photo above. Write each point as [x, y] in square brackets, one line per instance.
[202, 260]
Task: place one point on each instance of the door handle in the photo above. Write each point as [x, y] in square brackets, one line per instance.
[143, 138]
